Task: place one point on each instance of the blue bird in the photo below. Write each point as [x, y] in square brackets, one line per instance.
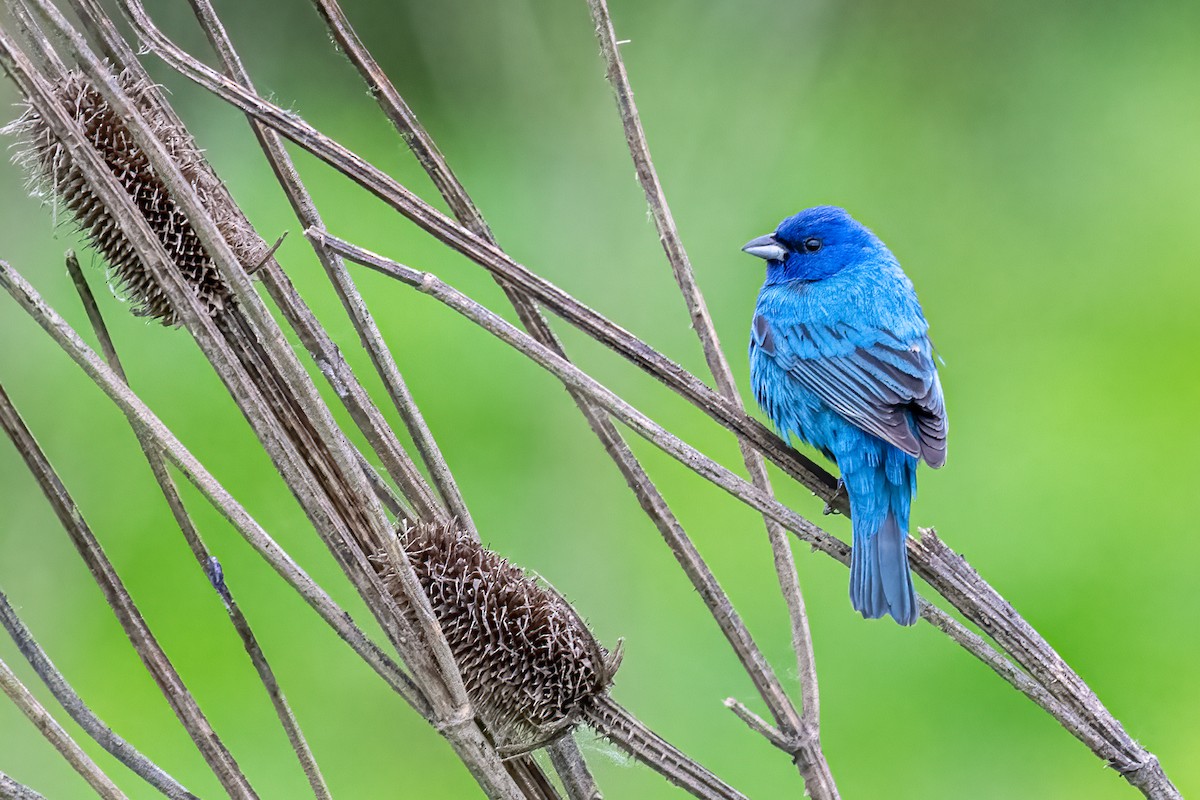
[840, 358]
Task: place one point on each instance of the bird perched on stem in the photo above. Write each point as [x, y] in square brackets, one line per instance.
[840, 358]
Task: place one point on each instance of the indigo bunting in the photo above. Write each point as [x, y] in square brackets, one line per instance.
[840, 358]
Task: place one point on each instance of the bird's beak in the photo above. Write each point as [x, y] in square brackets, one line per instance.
[766, 247]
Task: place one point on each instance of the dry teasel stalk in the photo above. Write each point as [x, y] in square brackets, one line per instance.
[55, 175]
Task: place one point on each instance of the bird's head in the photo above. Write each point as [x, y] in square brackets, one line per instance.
[814, 244]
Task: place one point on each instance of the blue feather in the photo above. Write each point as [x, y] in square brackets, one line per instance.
[840, 358]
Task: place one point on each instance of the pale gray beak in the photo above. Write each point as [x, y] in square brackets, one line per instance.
[766, 247]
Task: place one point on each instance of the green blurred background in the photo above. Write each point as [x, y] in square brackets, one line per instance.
[1034, 166]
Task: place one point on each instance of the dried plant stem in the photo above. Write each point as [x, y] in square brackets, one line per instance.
[571, 767]
[343, 284]
[230, 509]
[159, 666]
[73, 704]
[54, 733]
[203, 557]
[12, 790]
[629, 734]
[266, 676]
[468, 214]
[805, 727]
[977, 646]
[984, 606]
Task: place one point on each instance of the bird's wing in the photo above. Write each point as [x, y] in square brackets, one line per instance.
[879, 383]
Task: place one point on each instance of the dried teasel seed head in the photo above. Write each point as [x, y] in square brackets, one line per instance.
[528, 660]
[54, 174]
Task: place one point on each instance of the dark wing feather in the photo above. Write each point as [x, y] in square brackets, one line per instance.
[888, 388]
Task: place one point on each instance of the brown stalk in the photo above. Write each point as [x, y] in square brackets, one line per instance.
[44, 722]
[204, 558]
[141, 416]
[802, 730]
[77, 710]
[153, 657]
[572, 769]
[13, 790]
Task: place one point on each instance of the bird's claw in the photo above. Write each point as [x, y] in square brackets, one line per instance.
[829, 509]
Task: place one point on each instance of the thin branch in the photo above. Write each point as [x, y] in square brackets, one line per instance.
[984, 606]
[207, 562]
[430, 284]
[151, 653]
[266, 675]
[12, 790]
[629, 734]
[54, 733]
[139, 415]
[78, 710]
[759, 725]
[818, 779]
[571, 767]
[343, 284]
[978, 647]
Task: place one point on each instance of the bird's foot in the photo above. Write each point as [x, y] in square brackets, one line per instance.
[829, 509]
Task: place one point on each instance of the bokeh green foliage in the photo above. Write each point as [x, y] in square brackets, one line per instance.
[1034, 166]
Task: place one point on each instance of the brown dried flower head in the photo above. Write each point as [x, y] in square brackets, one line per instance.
[56, 175]
[528, 660]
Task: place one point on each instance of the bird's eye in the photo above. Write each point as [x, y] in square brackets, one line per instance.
[812, 244]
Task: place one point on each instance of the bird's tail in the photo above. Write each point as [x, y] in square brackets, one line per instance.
[880, 582]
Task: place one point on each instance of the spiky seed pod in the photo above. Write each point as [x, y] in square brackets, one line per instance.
[55, 174]
[528, 660]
